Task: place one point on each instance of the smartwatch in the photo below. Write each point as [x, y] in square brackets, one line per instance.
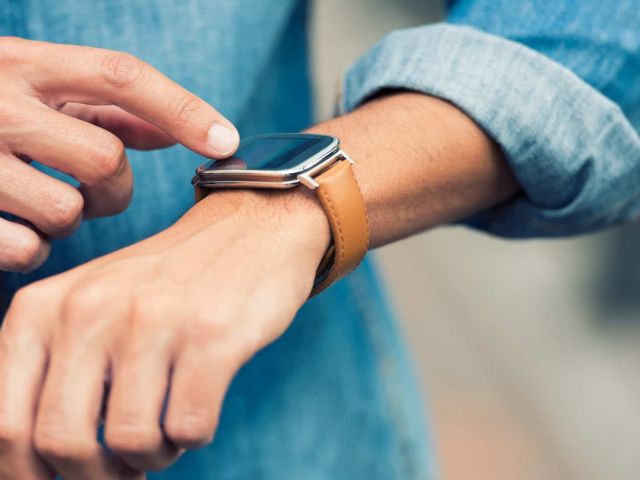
[301, 160]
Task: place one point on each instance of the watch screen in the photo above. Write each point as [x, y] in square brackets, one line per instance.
[272, 153]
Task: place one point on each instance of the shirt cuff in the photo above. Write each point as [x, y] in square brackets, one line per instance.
[574, 153]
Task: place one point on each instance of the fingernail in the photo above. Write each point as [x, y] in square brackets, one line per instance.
[223, 140]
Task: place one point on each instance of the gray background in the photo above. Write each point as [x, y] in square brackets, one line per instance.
[528, 351]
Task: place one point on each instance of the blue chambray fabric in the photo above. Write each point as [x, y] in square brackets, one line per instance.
[555, 83]
[552, 81]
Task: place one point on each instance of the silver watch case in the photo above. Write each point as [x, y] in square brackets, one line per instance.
[302, 174]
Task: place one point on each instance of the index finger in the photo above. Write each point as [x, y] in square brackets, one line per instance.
[95, 76]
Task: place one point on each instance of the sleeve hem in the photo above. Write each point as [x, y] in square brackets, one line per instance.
[575, 154]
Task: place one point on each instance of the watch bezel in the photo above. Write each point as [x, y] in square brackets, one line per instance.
[285, 178]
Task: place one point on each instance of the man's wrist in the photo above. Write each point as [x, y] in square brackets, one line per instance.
[294, 215]
[419, 162]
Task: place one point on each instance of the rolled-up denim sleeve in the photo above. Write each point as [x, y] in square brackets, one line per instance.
[556, 83]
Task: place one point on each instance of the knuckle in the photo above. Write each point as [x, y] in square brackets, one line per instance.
[131, 438]
[25, 297]
[60, 446]
[190, 431]
[19, 328]
[34, 294]
[149, 309]
[12, 433]
[120, 69]
[23, 300]
[25, 253]
[108, 158]
[12, 50]
[182, 107]
[10, 113]
[66, 210]
[83, 301]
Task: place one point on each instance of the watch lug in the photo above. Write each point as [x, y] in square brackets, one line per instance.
[347, 157]
[308, 181]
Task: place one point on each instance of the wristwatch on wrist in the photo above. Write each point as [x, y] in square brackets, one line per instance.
[299, 159]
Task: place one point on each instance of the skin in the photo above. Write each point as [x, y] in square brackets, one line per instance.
[75, 109]
[137, 317]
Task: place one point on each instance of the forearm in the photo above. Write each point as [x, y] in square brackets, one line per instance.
[420, 162]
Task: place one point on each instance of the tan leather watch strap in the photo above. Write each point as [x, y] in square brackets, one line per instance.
[340, 196]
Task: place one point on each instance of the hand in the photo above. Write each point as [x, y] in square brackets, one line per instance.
[185, 308]
[189, 306]
[49, 97]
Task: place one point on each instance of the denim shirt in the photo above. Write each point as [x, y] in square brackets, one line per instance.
[550, 80]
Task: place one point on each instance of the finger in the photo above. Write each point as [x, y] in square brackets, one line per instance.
[138, 389]
[199, 382]
[22, 364]
[93, 156]
[69, 408]
[53, 206]
[21, 249]
[131, 130]
[102, 77]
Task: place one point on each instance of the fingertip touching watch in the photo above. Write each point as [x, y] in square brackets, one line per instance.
[300, 159]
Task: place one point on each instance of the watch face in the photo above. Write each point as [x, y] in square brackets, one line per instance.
[278, 152]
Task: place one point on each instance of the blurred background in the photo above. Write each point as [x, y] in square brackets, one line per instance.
[528, 352]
